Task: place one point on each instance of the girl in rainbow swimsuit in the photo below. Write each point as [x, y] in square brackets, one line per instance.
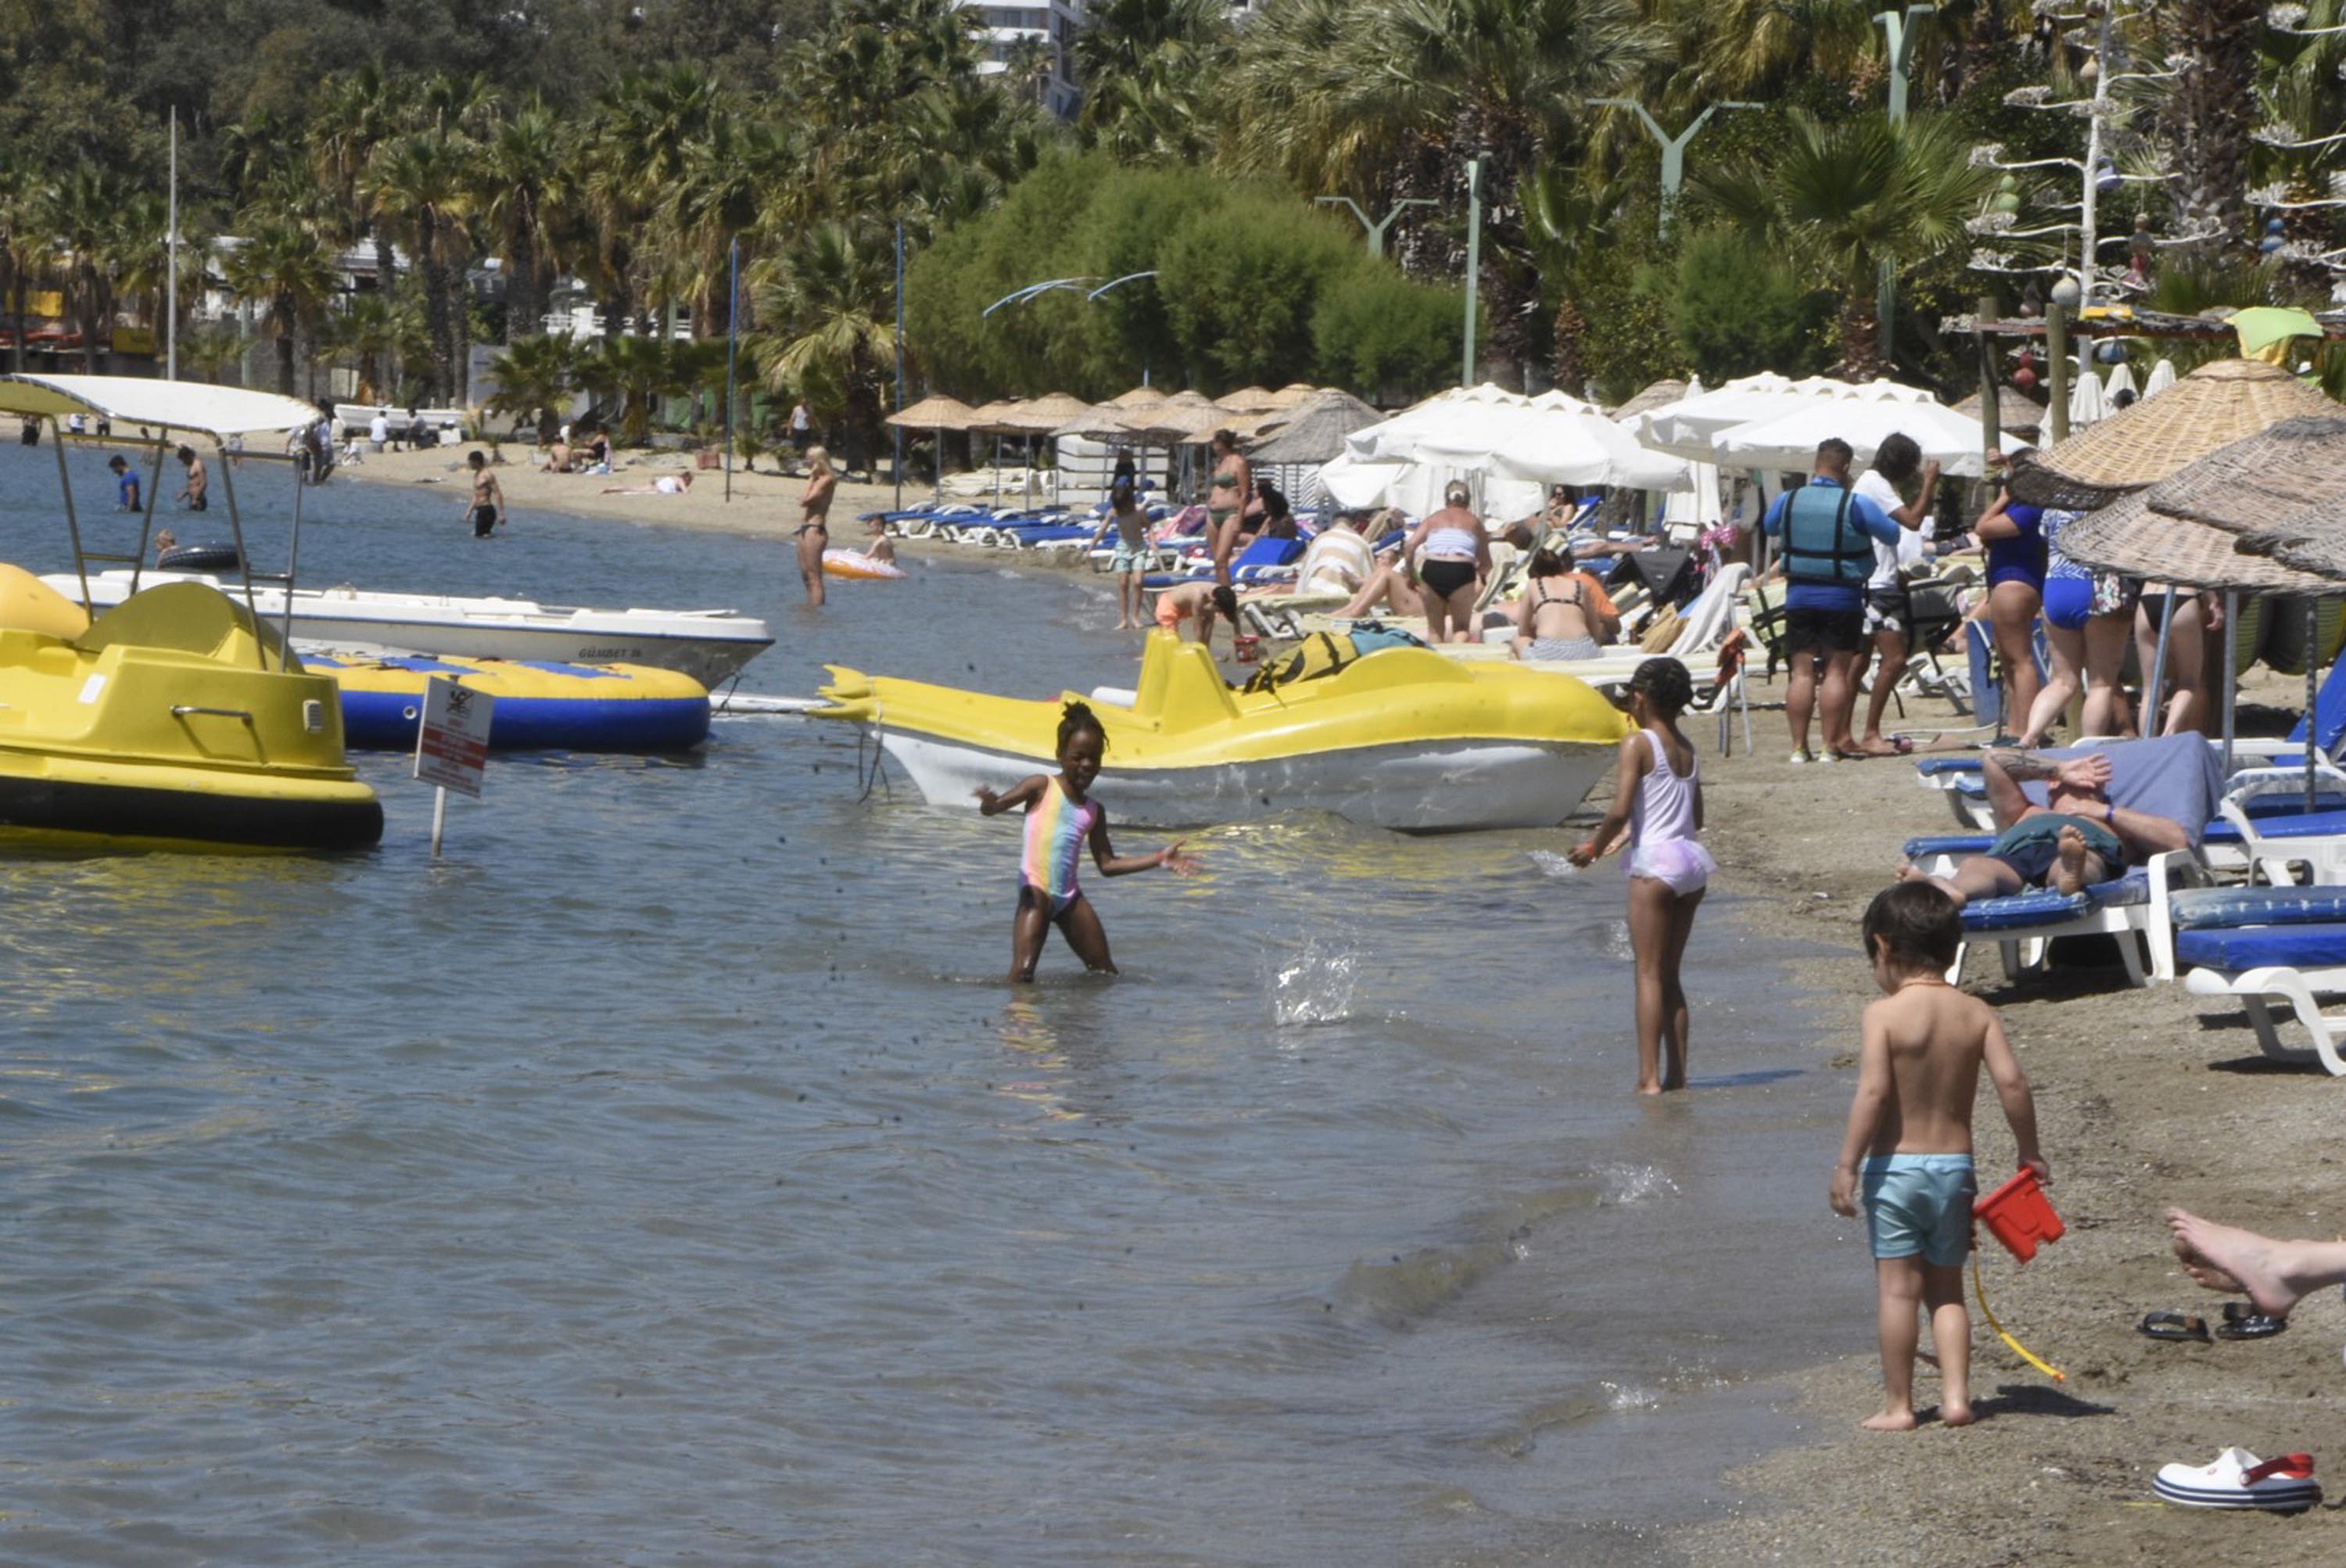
[1061, 818]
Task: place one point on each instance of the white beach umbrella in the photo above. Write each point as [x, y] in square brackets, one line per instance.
[2162, 376]
[2085, 405]
[1689, 428]
[1789, 441]
[1494, 435]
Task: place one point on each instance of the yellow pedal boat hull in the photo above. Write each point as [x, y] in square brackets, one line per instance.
[1400, 739]
[170, 723]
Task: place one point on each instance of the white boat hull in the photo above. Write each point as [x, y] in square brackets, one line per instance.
[710, 645]
[1442, 786]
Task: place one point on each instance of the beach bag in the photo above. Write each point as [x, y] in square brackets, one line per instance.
[1321, 654]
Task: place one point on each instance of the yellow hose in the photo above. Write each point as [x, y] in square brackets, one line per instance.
[2019, 1350]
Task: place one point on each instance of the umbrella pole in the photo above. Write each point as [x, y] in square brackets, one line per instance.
[937, 466]
[2312, 696]
[2154, 715]
[2231, 670]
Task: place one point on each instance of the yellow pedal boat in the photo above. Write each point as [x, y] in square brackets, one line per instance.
[171, 722]
[1401, 738]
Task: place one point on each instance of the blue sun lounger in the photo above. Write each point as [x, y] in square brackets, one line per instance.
[2257, 946]
[2176, 777]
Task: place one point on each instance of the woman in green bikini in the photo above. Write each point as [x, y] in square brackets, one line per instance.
[1226, 501]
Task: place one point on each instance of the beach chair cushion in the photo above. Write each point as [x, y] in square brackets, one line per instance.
[1949, 844]
[2043, 906]
[2263, 946]
[2210, 909]
[1938, 767]
[1270, 553]
[2301, 825]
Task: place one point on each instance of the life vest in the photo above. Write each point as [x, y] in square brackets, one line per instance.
[1820, 544]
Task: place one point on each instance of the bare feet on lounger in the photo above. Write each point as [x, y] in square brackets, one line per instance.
[2275, 1275]
[2068, 874]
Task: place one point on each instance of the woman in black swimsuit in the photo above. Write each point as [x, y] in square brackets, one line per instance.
[814, 531]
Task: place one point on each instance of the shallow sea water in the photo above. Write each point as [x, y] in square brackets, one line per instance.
[666, 1175]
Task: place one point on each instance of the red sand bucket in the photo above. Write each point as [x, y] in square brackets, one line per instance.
[2020, 1216]
[1250, 648]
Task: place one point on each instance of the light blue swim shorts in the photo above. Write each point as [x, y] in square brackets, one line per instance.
[1919, 1203]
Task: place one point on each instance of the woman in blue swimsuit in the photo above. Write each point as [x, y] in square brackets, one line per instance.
[2013, 534]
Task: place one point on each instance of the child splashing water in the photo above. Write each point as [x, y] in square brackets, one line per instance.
[1061, 818]
[1658, 802]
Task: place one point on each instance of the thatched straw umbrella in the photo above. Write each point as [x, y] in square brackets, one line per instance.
[1040, 416]
[2212, 407]
[1139, 397]
[938, 413]
[2016, 413]
[1249, 400]
[1315, 433]
[1294, 394]
[2186, 530]
[1658, 395]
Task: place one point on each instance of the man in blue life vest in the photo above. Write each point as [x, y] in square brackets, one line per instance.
[1828, 535]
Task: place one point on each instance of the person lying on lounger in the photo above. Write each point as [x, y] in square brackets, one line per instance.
[2074, 840]
[2274, 1274]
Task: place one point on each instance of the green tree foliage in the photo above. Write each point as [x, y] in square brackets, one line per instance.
[1251, 285]
[1736, 308]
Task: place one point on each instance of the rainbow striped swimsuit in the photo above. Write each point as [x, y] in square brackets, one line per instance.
[1056, 829]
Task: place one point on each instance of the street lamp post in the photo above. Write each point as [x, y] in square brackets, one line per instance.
[1474, 261]
[1673, 147]
[1376, 229]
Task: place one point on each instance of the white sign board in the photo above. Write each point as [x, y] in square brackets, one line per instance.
[453, 746]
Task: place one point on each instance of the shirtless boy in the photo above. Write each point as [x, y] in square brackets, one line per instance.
[488, 504]
[193, 496]
[1199, 601]
[1918, 1065]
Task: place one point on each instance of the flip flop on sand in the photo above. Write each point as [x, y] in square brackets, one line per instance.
[2243, 1321]
[2175, 1326]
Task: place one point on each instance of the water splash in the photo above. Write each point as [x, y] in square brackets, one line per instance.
[1552, 864]
[1314, 985]
[1630, 1395]
[1617, 945]
[1628, 1184]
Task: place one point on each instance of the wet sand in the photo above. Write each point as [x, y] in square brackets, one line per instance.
[2145, 1099]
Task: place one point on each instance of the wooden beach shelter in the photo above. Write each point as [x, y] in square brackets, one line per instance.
[936, 414]
[2211, 408]
[2230, 523]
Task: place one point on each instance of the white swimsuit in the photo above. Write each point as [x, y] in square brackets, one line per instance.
[1661, 826]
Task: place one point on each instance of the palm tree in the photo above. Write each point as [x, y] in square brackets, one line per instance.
[533, 375]
[424, 183]
[289, 267]
[371, 330]
[22, 244]
[1147, 68]
[827, 302]
[526, 185]
[209, 351]
[78, 210]
[357, 113]
[1837, 200]
[637, 370]
[2210, 111]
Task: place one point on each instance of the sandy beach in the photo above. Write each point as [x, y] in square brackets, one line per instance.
[764, 501]
[2145, 1100]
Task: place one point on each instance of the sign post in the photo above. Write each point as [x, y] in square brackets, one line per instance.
[452, 744]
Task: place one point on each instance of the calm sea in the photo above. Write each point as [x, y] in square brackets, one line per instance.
[667, 1176]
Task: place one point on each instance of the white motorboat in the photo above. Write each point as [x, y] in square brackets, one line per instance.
[710, 645]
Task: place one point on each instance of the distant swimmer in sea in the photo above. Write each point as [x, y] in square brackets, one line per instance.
[1906, 1157]
[487, 508]
[1062, 820]
[126, 484]
[813, 535]
[877, 546]
[194, 494]
[666, 485]
[1658, 805]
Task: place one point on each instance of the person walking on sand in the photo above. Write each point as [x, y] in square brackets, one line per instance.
[1657, 803]
[1457, 563]
[1130, 561]
[1227, 494]
[814, 528]
[1062, 820]
[488, 503]
[1889, 610]
[1907, 1155]
[193, 495]
[1828, 534]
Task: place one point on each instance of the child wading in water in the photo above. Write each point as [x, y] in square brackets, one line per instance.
[1061, 818]
[1917, 1075]
[1658, 800]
